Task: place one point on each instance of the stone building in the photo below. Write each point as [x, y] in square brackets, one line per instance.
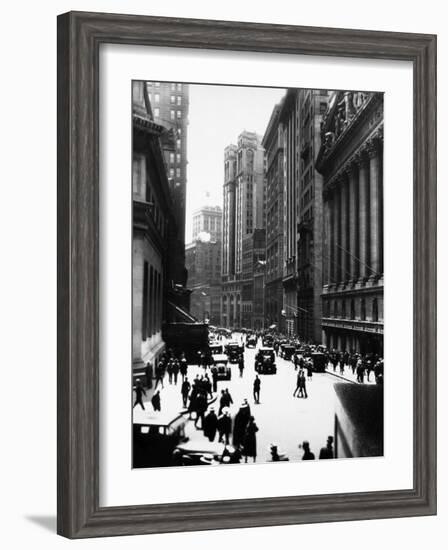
[311, 106]
[153, 212]
[274, 155]
[170, 105]
[208, 219]
[244, 211]
[351, 162]
[203, 262]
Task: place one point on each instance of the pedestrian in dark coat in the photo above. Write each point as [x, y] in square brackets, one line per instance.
[257, 385]
[201, 407]
[155, 401]
[160, 373]
[210, 424]
[307, 454]
[215, 379]
[183, 366]
[250, 440]
[185, 390]
[139, 393]
[224, 427]
[176, 367]
[241, 364]
[239, 425]
[148, 375]
[327, 451]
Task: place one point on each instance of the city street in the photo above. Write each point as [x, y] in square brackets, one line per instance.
[280, 417]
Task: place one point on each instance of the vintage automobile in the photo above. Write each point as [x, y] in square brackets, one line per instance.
[265, 361]
[251, 341]
[221, 367]
[200, 452]
[268, 340]
[319, 362]
[155, 436]
[216, 348]
[234, 350]
[287, 351]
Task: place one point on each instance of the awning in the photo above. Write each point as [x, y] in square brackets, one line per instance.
[180, 315]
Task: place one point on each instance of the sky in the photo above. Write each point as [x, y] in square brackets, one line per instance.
[217, 115]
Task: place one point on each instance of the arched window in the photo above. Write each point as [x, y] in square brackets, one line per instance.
[352, 309]
[363, 310]
[375, 310]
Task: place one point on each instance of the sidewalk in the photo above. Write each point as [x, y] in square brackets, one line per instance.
[349, 376]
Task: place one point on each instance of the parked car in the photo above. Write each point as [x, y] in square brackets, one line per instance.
[155, 436]
[319, 362]
[265, 361]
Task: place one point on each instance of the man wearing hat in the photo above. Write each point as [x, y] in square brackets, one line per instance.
[327, 451]
[139, 393]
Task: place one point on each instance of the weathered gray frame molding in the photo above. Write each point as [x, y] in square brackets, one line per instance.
[79, 38]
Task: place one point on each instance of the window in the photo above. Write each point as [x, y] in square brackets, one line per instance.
[179, 87]
[172, 115]
[343, 313]
[375, 310]
[178, 157]
[157, 98]
[178, 141]
[173, 86]
[171, 158]
[171, 172]
[156, 112]
[157, 84]
[336, 313]
[179, 100]
[179, 114]
[352, 309]
[177, 172]
[173, 99]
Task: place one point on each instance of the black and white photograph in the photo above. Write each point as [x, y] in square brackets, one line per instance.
[257, 274]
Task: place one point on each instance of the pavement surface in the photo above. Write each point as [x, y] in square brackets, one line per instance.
[281, 418]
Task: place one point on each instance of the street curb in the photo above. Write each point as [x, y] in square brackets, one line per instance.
[341, 377]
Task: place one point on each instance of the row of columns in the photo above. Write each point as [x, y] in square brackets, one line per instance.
[353, 218]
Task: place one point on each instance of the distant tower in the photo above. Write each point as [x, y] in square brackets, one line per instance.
[208, 219]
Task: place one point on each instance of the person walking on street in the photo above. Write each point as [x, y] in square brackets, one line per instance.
[309, 370]
[139, 393]
[359, 371]
[201, 407]
[241, 364]
[170, 369]
[327, 451]
[148, 375]
[307, 454]
[239, 424]
[302, 385]
[155, 401]
[185, 390]
[250, 440]
[257, 385]
[176, 367]
[183, 366]
[224, 425]
[160, 374]
[210, 424]
[215, 379]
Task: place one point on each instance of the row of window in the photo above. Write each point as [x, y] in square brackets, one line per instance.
[339, 309]
[152, 301]
[174, 86]
[175, 158]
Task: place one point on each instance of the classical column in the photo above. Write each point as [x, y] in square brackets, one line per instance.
[353, 222]
[343, 243]
[337, 234]
[375, 199]
[326, 251]
[363, 219]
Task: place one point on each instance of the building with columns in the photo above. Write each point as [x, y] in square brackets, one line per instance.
[243, 212]
[208, 219]
[274, 154]
[351, 163]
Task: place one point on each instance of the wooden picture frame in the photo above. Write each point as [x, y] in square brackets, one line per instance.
[79, 38]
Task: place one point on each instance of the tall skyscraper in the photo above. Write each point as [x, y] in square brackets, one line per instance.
[170, 102]
[244, 212]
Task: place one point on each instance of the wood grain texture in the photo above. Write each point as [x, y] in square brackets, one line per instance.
[79, 38]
